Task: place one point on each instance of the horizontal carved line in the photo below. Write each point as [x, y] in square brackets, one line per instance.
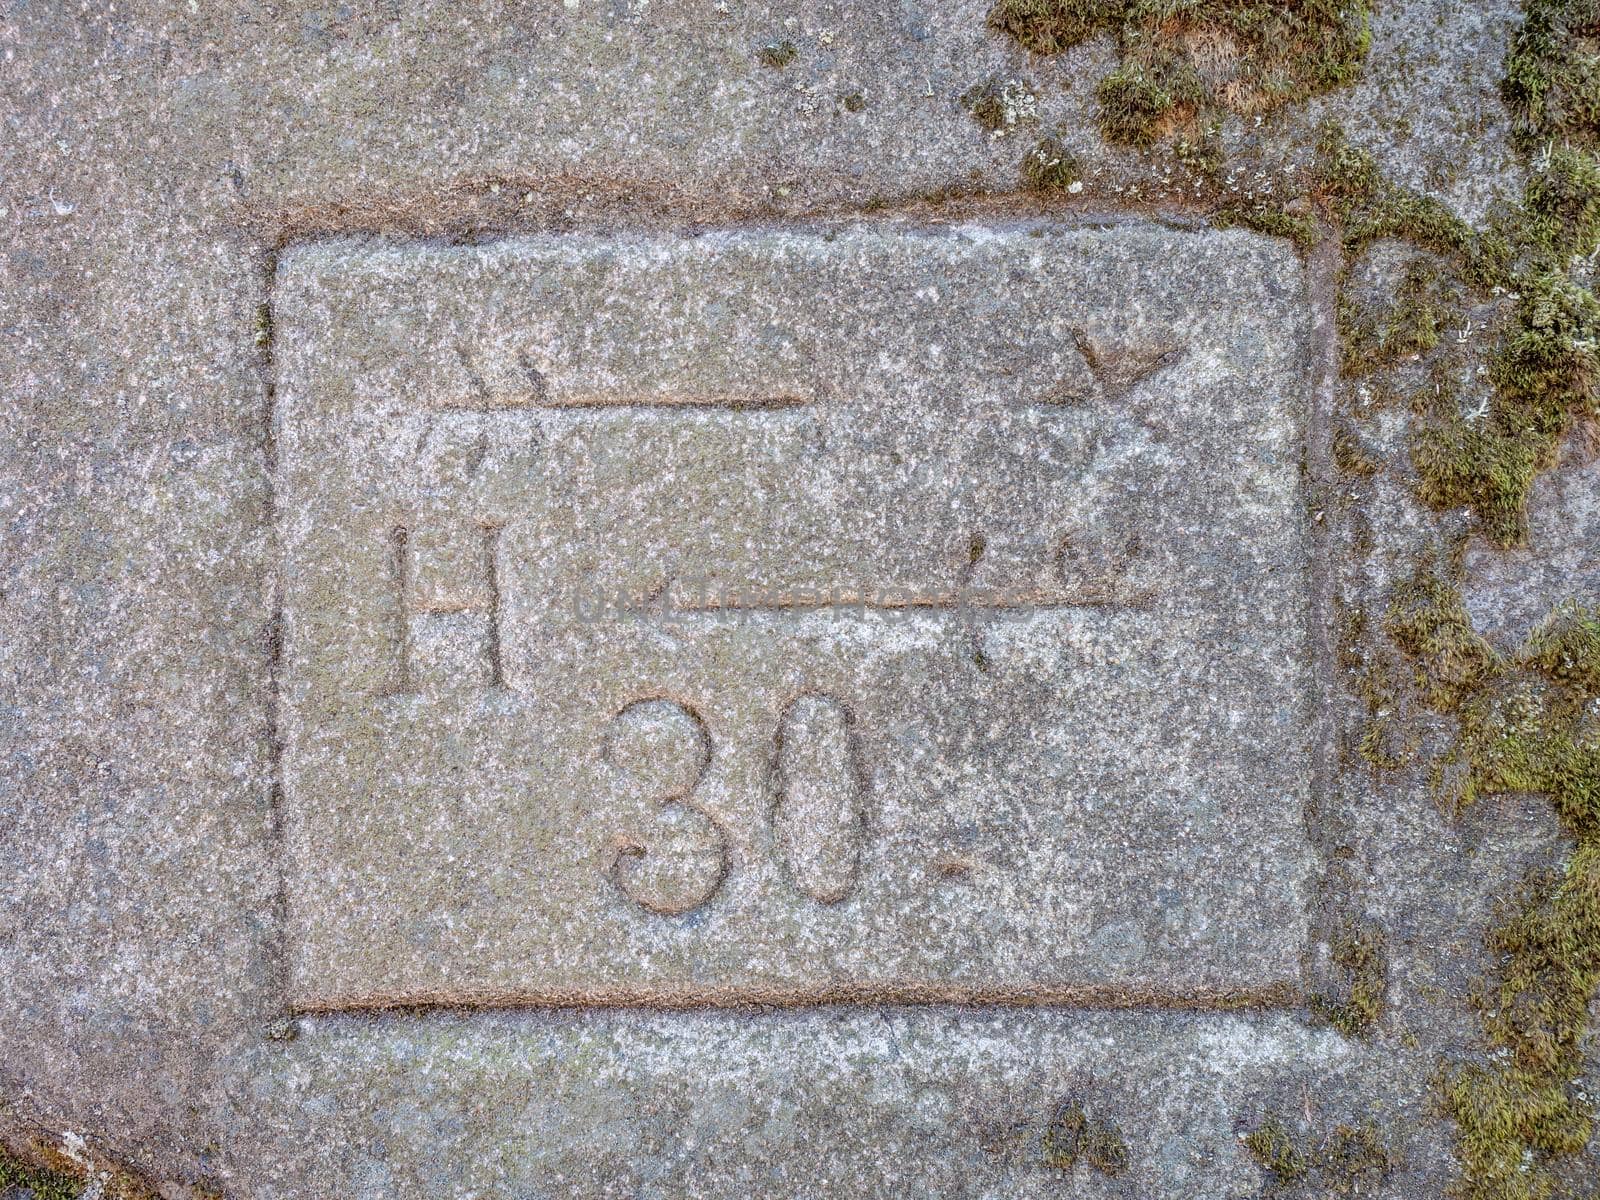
[536, 401]
[939, 602]
[1086, 996]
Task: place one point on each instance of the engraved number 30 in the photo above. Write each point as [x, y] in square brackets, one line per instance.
[664, 750]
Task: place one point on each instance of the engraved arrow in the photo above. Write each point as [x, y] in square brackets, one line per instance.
[1117, 372]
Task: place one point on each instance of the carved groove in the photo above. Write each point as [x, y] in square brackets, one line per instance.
[1116, 371]
[665, 745]
[491, 573]
[817, 819]
[400, 578]
[1108, 997]
[401, 569]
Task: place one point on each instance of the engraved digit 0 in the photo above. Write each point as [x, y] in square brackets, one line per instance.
[818, 819]
[664, 751]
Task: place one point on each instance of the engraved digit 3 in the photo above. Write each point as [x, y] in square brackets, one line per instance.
[663, 750]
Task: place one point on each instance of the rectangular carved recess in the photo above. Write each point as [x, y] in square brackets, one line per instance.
[886, 615]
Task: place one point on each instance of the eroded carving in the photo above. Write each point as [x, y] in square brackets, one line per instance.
[662, 751]
[818, 818]
[1117, 369]
[439, 589]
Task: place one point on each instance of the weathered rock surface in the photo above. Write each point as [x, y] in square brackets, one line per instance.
[528, 491]
[970, 732]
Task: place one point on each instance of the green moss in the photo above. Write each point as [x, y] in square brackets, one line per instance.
[853, 102]
[43, 1183]
[1525, 725]
[1386, 743]
[1544, 372]
[1427, 301]
[1050, 167]
[1562, 205]
[1350, 456]
[1428, 621]
[1183, 65]
[986, 102]
[1134, 108]
[1544, 375]
[1367, 207]
[1566, 648]
[1275, 1150]
[1515, 1115]
[1507, 1122]
[1275, 220]
[1355, 1158]
[1552, 82]
[1051, 26]
[1532, 731]
[1359, 953]
[263, 325]
[1350, 1160]
[777, 54]
[1073, 1136]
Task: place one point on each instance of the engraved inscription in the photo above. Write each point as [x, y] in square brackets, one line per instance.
[894, 614]
[673, 860]
[818, 818]
[429, 581]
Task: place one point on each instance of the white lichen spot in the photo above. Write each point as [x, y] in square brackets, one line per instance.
[1018, 106]
[76, 1151]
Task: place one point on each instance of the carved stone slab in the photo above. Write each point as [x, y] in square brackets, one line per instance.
[882, 614]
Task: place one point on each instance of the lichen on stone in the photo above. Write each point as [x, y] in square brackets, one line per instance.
[1001, 105]
[1052, 167]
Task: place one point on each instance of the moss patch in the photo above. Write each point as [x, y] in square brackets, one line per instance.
[1349, 1161]
[1426, 303]
[1529, 723]
[1347, 183]
[1544, 374]
[1544, 370]
[1184, 64]
[1353, 1008]
[50, 1174]
[45, 1184]
[1000, 106]
[1274, 220]
[1552, 77]
[1073, 1136]
[1429, 622]
[1274, 1149]
[1051, 167]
